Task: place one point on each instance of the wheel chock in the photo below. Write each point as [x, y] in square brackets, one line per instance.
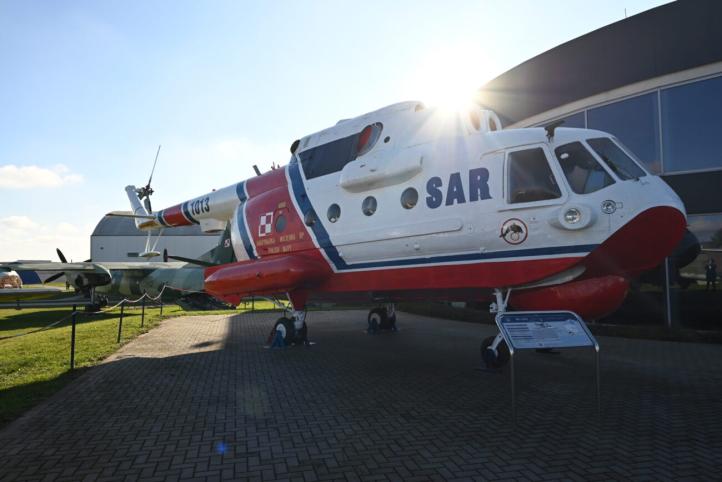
[278, 340]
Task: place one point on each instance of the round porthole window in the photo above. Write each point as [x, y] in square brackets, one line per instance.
[310, 218]
[333, 213]
[369, 206]
[409, 198]
[280, 223]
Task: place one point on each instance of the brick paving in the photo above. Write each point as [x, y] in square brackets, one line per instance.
[199, 398]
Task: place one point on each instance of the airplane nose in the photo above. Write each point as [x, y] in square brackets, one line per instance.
[641, 244]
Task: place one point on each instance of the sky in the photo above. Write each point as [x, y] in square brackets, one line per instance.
[89, 89]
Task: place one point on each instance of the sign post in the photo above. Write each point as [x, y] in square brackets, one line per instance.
[534, 330]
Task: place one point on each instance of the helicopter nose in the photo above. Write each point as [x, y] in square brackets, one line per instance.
[641, 244]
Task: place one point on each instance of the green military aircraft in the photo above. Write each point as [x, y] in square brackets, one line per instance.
[179, 281]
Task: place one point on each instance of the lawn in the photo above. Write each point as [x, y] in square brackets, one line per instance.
[35, 366]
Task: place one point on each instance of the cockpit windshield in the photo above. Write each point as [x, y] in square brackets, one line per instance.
[583, 172]
[618, 161]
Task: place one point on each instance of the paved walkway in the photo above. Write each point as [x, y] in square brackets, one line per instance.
[199, 398]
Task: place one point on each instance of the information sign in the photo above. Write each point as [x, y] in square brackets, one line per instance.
[560, 329]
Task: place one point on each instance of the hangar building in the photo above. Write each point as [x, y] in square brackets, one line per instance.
[117, 239]
[654, 80]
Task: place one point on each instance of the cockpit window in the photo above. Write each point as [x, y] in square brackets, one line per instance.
[581, 169]
[618, 161]
[530, 178]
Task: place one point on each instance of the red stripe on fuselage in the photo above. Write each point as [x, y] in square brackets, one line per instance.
[173, 216]
[269, 193]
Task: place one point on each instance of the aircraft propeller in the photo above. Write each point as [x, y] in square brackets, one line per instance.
[63, 260]
[145, 192]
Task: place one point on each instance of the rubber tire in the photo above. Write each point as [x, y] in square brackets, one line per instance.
[290, 330]
[387, 322]
[376, 319]
[502, 356]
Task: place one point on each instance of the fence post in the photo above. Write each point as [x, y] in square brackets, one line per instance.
[142, 312]
[120, 322]
[161, 307]
[72, 341]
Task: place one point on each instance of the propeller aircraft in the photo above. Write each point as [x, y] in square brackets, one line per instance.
[412, 203]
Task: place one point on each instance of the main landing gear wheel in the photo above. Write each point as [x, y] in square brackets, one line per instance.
[379, 319]
[494, 358]
[288, 332]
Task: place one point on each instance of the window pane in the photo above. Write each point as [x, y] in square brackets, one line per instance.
[636, 122]
[328, 158]
[581, 169]
[620, 163]
[530, 178]
[574, 120]
[695, 293]
[691, 125]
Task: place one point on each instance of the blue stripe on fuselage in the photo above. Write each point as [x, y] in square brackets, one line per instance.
[187, 213]
[241, 220]
[324, 241]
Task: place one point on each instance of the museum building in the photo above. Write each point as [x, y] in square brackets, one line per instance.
[654, 80]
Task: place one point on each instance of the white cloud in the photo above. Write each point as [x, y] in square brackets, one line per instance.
[27, 177]
[23, 238]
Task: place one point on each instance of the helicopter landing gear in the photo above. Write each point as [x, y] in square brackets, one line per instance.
[382, 318]
[289, 331]
[494, 352]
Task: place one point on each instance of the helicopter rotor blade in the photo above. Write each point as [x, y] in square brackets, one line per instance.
[154, 163]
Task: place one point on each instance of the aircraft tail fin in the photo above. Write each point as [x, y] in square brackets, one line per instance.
[137, 207]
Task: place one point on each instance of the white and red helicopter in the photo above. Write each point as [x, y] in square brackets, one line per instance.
[413, 203]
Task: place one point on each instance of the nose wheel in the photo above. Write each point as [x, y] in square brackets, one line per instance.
[494, 352]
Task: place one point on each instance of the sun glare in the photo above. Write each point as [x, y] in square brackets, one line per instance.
[449, 78]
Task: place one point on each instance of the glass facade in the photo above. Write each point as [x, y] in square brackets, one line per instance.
[574, 120]
[691, 126]
[695, 293]
[635, 122]
[675, 129]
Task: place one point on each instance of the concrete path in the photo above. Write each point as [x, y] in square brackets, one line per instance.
[200, 398]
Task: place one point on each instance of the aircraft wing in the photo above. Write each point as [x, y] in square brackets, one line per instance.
[16, 294]
[90, 267]
[141, 265]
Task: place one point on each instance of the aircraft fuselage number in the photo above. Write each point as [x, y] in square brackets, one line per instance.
[478, 188]
[200, 206]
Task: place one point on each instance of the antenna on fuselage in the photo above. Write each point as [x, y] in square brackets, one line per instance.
[551, 127]
[255, 168]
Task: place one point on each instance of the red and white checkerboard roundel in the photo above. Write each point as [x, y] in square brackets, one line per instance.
[265, 224]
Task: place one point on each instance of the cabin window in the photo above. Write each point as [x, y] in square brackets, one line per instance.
[333, 156]
[530, 177]
[583, 172]
[409, 198]
[333, 213]
[618, 161]
[369, 206]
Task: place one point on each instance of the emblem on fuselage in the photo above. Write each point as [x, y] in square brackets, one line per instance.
[265, 224]
[514, 231]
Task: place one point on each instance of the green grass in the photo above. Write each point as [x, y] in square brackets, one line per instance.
[35, 366]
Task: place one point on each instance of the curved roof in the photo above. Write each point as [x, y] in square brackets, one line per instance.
[667, 39]
[116, 226]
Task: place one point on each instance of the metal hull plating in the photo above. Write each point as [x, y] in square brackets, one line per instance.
[431, 211]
